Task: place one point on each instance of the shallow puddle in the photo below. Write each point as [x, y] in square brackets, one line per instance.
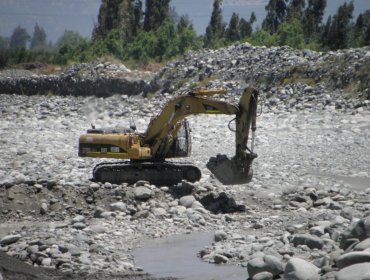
[176, 256]
[358, 183]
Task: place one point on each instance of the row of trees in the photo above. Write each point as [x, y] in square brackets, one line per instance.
[297, 23]
[20, 39]
[131, 30]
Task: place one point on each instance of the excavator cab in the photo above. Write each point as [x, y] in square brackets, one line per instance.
[181, 146]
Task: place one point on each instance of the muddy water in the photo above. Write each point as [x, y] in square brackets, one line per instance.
[176, 256]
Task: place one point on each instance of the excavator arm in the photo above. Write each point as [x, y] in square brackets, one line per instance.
[163, 129]
[237, 170]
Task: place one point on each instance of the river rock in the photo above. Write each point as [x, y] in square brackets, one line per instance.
[265, 275]
[43, 208]
[9, 239]
[78, 219]
[220, 259]
[46, 262]
[347, 213]
[97, 228]
[101, 213]
[267, 263]
[187, 201]
[143, 193]
[299, 269]
[118, 206]
[85, 259]
[309, 240]
[363, 245]
[79, 225]
[220, 235]
[159, 212]
[317, 231]
[359, 271]
[33, 249]
[352, 258]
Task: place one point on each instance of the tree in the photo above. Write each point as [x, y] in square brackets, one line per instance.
[295, 9]
[137, 16]
[188, 39]
[264, 38]
[253, 18]
[70, 38]
[107, 18]
[232, 31]
[276, 14]
[122, 15]
[19, 38]
[291, 34]
[361, 30]
[216, 28]
[337, 32]
[38, 40]
[184, 23]
[156, 12]
[245, 28]
[312, 18]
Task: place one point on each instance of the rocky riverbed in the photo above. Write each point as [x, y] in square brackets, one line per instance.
[305, 215]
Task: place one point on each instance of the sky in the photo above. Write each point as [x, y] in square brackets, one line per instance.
[55, 16]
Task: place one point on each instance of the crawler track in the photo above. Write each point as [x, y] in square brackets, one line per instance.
[157, 173]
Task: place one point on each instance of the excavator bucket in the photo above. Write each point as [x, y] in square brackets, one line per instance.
[230, 171]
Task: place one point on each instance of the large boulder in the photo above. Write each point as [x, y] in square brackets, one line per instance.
[313, 242]
[267, 263]
[299, 269]
[360, 271]
[352, 258]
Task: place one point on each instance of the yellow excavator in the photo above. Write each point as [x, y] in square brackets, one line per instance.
[168, 136]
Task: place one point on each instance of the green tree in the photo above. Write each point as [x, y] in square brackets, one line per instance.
[122, 15]
[156, 13]
[312, 18]
[252, 18]
[232, 31]
[70, 38]
[276, 14]
[183, 23]
[291, 34]
[107, 18]
[295, 9]
[188, 39]
[137, 16]
[361, 30]
[216, 28]
[38, 40]
[19, 38]
[264, 38]
[337, 31]
[245, 28]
